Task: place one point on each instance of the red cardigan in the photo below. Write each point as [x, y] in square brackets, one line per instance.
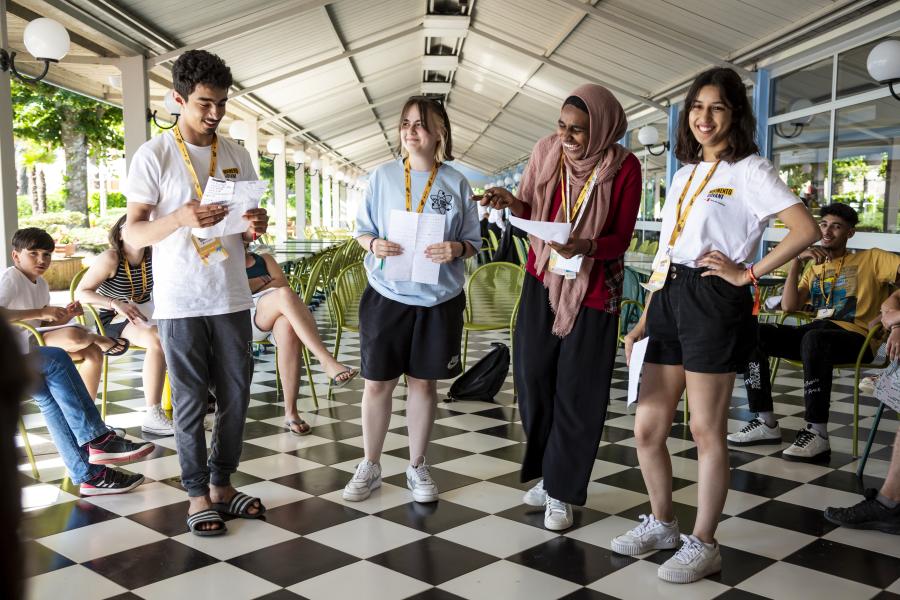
[613, 239]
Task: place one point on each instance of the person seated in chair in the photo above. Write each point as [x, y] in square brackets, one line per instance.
[845, 292]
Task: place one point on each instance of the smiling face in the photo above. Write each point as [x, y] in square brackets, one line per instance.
[835, 232]
[203, 110]
[710, 121]
[573, 130]
[33, 263]
[413, 135]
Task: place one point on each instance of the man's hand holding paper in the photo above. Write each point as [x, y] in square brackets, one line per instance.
[241, 202]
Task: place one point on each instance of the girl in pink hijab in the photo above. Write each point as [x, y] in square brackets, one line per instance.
[565, 344]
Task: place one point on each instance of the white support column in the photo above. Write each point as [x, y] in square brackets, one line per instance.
[335, 202]
[300, 198]
[280, 192]
[315, 197]
[101, 177]
[135, 102]
[326, 200]
[252, 143]
[9, 215]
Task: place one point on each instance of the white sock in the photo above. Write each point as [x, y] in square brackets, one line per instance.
[768, 417]
[821, 429]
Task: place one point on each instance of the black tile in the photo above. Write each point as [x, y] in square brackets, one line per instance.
[736, 458]
[267, 411]
[512, 431]
[513, 453]
[504, 413]
[251, 451]
[433, 560]
[341, 412]
[435, 594]
[257, 429]
[125, 596]
[790, 516]
[40, 559]
[438, 431]
[271, 397]
[434, 454]
[330, 453]
[849, 562]
[886, 596]
[63, 517]
[292, 561]
[759, 484]
[616, 453]
[439, 413]
[445, 480]
[311, 515]
[281, 595]
[169, 520]
[736, 594]
[737, 565]
[681, 431]
[337, 431]
[587, 594]
[316, 481]
[846, 481]
[572, 560]
[431, 517]
[881, 437]
[616, 434]
[513, 480]
[633, 479]
[534, 516]
[150, 563]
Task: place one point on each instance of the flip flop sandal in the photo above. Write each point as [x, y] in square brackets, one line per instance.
[335, 382]
[299, 423]
[239, 505]
[121, 347]
[206, 516]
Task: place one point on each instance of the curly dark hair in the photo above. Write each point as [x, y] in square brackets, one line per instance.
[199, 67]
[741, 134]
[32, 238]
[842, 211]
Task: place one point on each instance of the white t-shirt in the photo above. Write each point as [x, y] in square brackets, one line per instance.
[182, 285]
[19, 293]
[730, 214]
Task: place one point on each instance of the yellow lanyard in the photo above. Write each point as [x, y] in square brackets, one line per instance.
[821, 278]
[567, 192]
[127, 268]
[190, 166]
[427, 189]
[681, 218]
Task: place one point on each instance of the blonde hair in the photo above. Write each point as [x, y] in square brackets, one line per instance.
[435, 121]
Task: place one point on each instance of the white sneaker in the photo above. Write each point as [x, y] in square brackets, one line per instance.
[557, 514]
[809, 446]
[867, 385]
[536, 496]
[366, 479]
[156, 422]
[756, 432]
[420, 483]
[651, 534]
[693, 561]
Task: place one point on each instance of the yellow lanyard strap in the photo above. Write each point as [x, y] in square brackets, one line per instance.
[127, 268]
[821, 278]
[190, 166]
[566, 191]
[427, 189]
[681, 218]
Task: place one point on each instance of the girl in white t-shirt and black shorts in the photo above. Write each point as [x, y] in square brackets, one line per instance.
[699, 318]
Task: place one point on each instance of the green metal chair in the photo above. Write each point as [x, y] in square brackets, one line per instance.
[492, 300]
[348, 290]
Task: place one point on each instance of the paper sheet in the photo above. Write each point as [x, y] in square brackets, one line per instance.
[635, 367]
[414, 232]
[238, 196]
[887, 386]
[545, 230]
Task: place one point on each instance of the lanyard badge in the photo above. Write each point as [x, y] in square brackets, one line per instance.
[569, 267]
[827, 311]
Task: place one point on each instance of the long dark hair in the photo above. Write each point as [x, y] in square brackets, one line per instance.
[741, 134]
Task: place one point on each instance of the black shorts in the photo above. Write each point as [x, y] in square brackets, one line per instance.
[703, 323]
[397, 338]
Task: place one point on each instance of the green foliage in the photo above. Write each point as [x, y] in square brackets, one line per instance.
[62, 218]
[113, 200]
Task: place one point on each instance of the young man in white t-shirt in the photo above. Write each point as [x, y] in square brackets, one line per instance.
[202, 299]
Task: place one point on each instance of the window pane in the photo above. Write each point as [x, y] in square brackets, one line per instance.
[867, 162]
[800, 153]
[853, 77]
[811, 85]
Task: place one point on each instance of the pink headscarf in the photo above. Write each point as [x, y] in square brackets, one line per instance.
[539, 181]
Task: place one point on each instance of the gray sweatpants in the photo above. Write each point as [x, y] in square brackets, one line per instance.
[204, 352]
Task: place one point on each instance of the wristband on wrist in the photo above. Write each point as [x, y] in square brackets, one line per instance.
[371, 243]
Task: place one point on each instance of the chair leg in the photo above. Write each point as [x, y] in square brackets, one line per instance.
[872, 432]
[856, 413]
[277, 374]
[775, 364]
[103, 394]
[465, 347]
[24, 433]
[166, 400]
[511, 354]
[337, 348]
[312, 384]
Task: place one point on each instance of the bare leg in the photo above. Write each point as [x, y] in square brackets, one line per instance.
[376, 415]
[891, 487]
[420, 405]
[289, 369]
[154, 370]
[710, 395]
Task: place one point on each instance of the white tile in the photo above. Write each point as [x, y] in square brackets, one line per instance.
[392, 441]
[485, 496]
[785, 469]
[497, 536]
[480, 466]
[214, 582]
[874, 467]
[895, 587]
[385, 497]
[611, 499]
[273, 494]
[243, 536]
[600, 533]
[395, 422]
[360, 580]
[125, 420]
[467, 406]
[390, 465]
[508, 581]
[638, 581]
[470, 422]
[143, 497]
[819, 497]
[51, 467]
[277, 465]
[623, 422]
[784, 580]
[367, 537]
[100, 539]
[873, 541]
[287, 442]
[760, 538]
[604, 468]
[157, 468]
[42, 495]
[475, 442]
[60, 583]
[735, 503]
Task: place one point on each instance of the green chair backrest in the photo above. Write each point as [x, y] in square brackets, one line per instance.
[492, 292]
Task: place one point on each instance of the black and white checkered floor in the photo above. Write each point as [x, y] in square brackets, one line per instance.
[478, 541]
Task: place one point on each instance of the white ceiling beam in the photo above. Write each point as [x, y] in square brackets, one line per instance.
[504, 81]
[405, 93]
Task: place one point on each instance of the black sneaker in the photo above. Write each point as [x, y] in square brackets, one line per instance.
[868, 514]
[114, 449]
[111, 481]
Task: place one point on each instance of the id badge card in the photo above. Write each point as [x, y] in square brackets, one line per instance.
[567, 267]
[210, 251]
[824, 313]
[658, 277]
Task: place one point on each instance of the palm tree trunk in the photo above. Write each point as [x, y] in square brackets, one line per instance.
[32, 191]
[75, 148]
[42, 192]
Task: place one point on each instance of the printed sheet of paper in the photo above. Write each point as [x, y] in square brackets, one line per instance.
[414, 232]
[887, 387]
[545, 230]
[238, 196]
[635, 366]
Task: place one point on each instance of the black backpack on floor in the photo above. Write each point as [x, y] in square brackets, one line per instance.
[485, 378]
